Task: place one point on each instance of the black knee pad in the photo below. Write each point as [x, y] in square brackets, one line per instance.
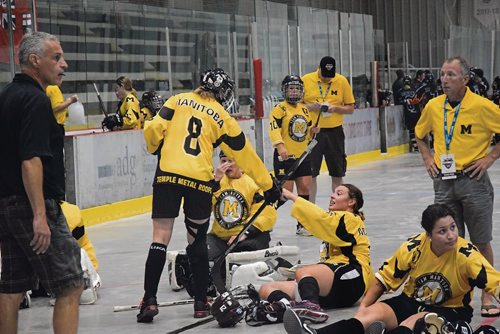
[197, 253]
[197, 231]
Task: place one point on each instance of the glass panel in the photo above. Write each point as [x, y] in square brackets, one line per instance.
[17, 14]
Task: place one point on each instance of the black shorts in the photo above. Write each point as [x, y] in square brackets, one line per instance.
[58, 269]
[167, 200]
[331, 145]
[404, 307]
[347, 288]
[282, 167]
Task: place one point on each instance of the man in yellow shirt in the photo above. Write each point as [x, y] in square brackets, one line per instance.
[59, 104]
[331, 92]
[463, 124]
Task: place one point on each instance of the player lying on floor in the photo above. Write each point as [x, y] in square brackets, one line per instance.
[344, 273]
[441, 271]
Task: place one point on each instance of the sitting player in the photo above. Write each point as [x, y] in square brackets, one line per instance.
[439, 271]
[344, 273]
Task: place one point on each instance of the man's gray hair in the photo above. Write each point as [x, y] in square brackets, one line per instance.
[464, 67]
[35, 43]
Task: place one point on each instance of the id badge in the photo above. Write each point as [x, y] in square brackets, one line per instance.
[448, 166]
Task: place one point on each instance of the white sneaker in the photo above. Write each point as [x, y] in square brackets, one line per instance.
[302, 231]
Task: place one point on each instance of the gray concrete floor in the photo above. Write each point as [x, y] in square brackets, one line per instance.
[396, 191]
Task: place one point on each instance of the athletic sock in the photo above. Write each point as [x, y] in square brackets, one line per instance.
[154, 267]
[351, 326]
[309, 289]
[277, 295]
[400, 330]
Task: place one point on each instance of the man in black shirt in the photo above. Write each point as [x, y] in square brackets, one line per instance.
[34, 238]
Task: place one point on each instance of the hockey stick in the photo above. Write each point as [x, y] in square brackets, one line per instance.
[101, 104]
[123, 308]
[192, 325]
[216, 269]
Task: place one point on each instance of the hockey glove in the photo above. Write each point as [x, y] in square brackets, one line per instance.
[273, 194]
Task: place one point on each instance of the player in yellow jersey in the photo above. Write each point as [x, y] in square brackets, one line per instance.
[234, 203]
[127, 115]
[458, 166]
[150, 104]
[184, 134]
[344, 273]
[441, 271]
[59, 103]
[324, 87]
[290, 129]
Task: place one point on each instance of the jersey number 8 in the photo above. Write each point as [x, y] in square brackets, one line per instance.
[194, 129]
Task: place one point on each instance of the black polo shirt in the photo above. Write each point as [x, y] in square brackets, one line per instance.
[29, 129]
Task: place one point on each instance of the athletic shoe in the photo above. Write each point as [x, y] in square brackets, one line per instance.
[302, 231]
[26, 302]
[377, 327]
[293, 324]
[201, 309]
[149, 309]
[308, 310]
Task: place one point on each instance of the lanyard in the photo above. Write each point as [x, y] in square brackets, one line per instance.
[447, 136]
[321, 90]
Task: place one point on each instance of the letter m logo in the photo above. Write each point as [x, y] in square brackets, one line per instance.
[466, 129]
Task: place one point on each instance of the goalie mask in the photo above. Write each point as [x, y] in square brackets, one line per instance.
[407, 82]
[152, 101]
[220, 84]
[227, 310]
[292, 89]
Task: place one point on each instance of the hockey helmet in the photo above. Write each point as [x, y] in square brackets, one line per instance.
[292, 88]
[220, 84]
[407, 81]
[227, 310]
[477, 71]
[152, 101]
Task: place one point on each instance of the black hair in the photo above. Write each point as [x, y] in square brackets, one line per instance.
[355, 193]
[432, 214]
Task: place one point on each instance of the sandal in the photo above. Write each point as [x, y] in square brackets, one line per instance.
[485, 311]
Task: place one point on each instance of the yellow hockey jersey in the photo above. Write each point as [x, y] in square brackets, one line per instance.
[74, 219]
[289, 124]
[129, 110]
[447, 280]
[185, 132]
[343, 233]
[56, 98]
[235, 203]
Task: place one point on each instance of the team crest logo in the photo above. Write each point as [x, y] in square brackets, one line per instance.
[448, 162]
[230, 209]
[297, 128]
[432, 289]
[329, 67]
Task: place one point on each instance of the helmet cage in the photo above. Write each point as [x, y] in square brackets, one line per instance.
[292, 95]
[220, 84]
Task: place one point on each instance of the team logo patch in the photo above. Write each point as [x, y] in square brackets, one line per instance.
[329, 67]
[432, 289]
[230, 209]
[297, 128]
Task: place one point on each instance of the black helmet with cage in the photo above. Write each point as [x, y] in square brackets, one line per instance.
[152, 100]
[292, 88]
[220, 84]
[407, 81]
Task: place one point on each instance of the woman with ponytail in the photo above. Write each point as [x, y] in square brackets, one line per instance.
[344, 271]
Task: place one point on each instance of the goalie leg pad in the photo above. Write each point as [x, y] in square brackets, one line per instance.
[179, 271]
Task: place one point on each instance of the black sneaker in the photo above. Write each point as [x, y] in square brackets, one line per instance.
[201, 309]
[149, 309]
[294, 325]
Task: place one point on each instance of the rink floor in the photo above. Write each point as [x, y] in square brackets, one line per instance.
[396, 191]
